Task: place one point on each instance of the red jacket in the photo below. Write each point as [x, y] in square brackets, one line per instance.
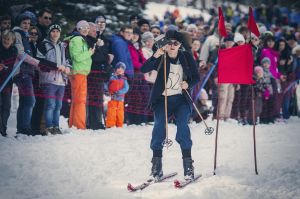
[137, 57]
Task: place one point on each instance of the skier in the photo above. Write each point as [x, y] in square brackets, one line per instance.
[181, 75]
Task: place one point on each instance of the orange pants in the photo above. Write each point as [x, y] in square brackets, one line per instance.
[78, 105]
[115, 114]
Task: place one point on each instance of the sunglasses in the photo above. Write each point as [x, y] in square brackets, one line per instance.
[33, 33]
[50, 18]
[175, 43]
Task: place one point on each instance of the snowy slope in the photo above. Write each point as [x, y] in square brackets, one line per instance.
[99, 164]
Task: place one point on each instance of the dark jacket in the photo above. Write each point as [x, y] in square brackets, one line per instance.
[100, 58]
[8, 58]
[190, 72]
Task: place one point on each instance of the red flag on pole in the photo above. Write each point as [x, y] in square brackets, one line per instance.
[221, 24]
[252, 24]
[235, 65]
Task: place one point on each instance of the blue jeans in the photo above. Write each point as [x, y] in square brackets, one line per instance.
[286, 105]
[181, 109]
[26, 101]
[53, 103]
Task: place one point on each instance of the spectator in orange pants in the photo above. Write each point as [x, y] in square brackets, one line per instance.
[81, 56]
[117, 87]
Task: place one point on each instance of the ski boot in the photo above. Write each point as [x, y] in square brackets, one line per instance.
[156, 170]
[188, 168]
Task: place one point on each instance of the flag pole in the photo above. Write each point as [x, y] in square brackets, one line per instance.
[218, 111]
[253, 105]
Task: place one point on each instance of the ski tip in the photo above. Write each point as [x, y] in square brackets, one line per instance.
[130, 187]
[177, 184]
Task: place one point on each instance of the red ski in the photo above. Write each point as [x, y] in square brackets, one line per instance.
[142, 186]
[180, 184]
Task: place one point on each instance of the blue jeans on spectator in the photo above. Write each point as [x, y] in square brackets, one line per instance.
[181, 109]
[53, 103]
[5, 104]
[286, 105]
[26, 102]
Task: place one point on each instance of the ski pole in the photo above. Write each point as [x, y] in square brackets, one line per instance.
[208, 130]
[167, 142]
[206, 78]
[13, 72]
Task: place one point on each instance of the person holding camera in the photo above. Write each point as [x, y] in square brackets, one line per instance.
[182, 75]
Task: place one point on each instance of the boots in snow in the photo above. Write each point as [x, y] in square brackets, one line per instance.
[156, 170]
[188, 168]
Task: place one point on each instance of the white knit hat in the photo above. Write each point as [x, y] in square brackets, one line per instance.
[82, 25]
[238, 37]
[147, 36]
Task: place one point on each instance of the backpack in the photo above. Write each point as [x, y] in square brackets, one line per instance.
[66, 43]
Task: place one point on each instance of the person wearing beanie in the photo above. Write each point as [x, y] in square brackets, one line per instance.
[148, 42]
[265, 60]
[239, 39]
[182, 76]
[81, 56]
[117, 87]
[269, 95]
[23, 77]
[133, 20]
[259, 89]
[51, 51]
[144, 25]
[100, 73]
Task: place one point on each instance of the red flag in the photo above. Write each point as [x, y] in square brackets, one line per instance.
[252, 24]
[221, 24]
[235, 65]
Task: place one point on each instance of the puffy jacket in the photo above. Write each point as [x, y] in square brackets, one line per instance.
[115, 82]
[121, 53]
[80, 55]
[54, 53]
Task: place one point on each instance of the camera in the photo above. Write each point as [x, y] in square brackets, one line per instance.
[160, 41]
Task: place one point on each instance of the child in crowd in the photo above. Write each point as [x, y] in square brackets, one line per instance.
[259, 89]
[267, 114]
[117, 87]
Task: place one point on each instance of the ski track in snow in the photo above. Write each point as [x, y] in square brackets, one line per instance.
[99, 164]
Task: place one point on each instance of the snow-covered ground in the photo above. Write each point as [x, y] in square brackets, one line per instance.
[99, 164]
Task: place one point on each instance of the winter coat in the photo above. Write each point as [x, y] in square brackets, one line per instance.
[208, 46]
[23, 46]
[137, 57]
[100, 66]
[118, 92]
[80, 55]
[273, 55]
[54, 55]
[190, 73]
[8, 58]
[122, 54]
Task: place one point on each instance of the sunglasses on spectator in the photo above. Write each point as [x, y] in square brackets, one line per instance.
[33, 33]
[175, 43]
[50, 18]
